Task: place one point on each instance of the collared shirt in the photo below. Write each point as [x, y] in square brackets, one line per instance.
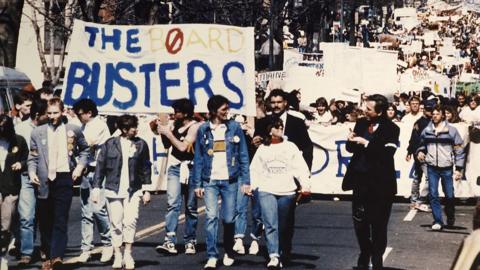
[219, 161]
[3, 153]
[284, 120]
[25, 129]
[57, 147]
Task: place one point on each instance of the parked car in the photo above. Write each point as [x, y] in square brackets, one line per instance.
[11, 81]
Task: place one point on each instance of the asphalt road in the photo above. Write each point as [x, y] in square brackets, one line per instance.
[324, 239]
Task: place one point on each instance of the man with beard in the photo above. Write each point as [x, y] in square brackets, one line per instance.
[371, 175]
[295, 131]
[179, 171]
[58, 155]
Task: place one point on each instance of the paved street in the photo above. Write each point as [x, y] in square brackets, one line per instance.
[324, 239]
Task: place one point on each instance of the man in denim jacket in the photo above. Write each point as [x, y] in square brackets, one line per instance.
[221, 163]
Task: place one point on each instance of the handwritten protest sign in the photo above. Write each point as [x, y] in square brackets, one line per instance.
[144, 69]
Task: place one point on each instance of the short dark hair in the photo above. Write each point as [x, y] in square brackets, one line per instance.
[127, 121]
[86, 105]
[321, 101]
[45, 90]
[416, 98]
[7, 130]
[215, 102]
[56, 101]
[21, 97]
[183, 105]
[381, 103]
[39, 107]
[275, 122]
[439, 108]
[278, 92]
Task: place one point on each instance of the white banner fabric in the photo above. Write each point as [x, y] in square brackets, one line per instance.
[143, 69]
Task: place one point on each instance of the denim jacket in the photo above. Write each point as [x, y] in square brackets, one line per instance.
[236, 150]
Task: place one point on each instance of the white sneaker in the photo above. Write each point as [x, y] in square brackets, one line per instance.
[4, 264]
[84, 257]
[167, 248]
[274, 263]
[238, 246]
[211, 264]
[227, 261]
[107, 254]
[253, 250]
[117, 261]
[128, 261]
[436, 227]
[190, 249]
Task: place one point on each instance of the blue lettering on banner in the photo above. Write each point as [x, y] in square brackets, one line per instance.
[114, 39]
[116, 77]
[147, 69]
[165, 83]
[82, 80]
[327, 160]
[156, 154]
[86, 78]
[232, 86]
[132, 39]
[93, 34]
[341, 159]
[194, 85]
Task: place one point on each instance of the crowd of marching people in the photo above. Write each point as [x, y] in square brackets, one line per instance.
[46, 148]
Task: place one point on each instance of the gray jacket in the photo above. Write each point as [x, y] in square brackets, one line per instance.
[38, 157]
[109, 165]
[443, 149]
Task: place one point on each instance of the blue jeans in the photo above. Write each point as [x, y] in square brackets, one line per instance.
[228, 193]
[241, 217]
[445, 175]
[89, 214]
[276, 211]
[174, 193]
[26, 209]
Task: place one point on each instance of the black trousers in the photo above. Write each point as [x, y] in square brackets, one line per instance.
[370, 220]
[53, 215]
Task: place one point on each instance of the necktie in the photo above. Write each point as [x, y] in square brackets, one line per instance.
[370, 128]
[52, 158]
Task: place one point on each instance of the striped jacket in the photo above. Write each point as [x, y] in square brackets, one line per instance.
[443, 149]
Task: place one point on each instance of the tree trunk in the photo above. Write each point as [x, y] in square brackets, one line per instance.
[11, 12]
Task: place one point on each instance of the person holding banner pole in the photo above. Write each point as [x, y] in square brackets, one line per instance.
[179, 171]
[372, 177]
[221, 164]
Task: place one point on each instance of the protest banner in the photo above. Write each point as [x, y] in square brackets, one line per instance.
[143, 69]
[468, 87]
[272, 75]
[330, 161]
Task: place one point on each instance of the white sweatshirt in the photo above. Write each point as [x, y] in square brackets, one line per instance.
[274, 168]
